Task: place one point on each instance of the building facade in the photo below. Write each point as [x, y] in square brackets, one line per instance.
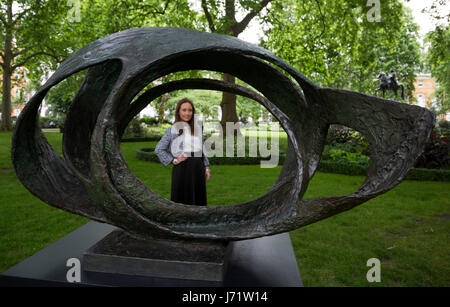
[21, 91]
[425, 85]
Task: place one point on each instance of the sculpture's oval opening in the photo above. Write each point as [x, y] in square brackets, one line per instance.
[252, 159]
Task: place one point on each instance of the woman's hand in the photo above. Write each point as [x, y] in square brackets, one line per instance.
[207, 173]
[181, 158]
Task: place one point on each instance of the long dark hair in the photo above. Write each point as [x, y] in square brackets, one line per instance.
[178, 118]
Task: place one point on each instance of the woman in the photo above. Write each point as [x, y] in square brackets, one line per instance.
[182, 145]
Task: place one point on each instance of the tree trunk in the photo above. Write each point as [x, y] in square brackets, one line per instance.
[6, 102]
[231, 27]
[162, 107]
[6, 123]
[228, 106]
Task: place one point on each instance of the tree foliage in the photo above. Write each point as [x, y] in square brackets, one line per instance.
[438, 58]
[336, 44]
[221, 17]
[29, 32]
[331, 42]
[81, 22]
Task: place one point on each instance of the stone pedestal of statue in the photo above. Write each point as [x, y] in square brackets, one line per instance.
[119, 253]
[261, 262]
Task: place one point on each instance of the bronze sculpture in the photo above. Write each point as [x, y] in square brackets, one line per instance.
[93, 179]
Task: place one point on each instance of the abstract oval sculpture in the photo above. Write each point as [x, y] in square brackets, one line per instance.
[93, 179]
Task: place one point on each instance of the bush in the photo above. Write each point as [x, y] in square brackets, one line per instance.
[150, 121]
[326, 166]
[140, 139]
[342, 167]
[148, 154]
[352, 168]
[44, 121]
[344, 138]
[429, 174]
[436, 153]
[60, 122]
[339, 155]
[444, 124]
[134, 129]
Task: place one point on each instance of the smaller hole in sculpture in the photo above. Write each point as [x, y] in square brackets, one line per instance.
[346, 153]
[53, 112]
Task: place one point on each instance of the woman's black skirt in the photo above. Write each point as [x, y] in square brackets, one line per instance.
[189, 183]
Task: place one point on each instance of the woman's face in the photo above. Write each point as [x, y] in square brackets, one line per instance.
[186, 112]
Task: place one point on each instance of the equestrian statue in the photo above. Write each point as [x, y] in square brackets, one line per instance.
[389, 83]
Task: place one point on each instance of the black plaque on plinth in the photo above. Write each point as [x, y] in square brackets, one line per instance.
[262, 262]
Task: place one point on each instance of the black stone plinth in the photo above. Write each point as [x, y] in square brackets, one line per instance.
[120, 253]
[262, 262]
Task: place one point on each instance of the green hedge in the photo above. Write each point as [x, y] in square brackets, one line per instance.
[429, 174]
[148, 154]
[346, 168]
[240, 160]
[141, 139]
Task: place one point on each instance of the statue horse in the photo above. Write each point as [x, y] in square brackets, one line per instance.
[389, 83]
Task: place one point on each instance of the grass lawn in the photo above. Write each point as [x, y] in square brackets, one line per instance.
[407, 229]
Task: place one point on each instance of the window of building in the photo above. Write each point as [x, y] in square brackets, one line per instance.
[436, 84]
[420, 83]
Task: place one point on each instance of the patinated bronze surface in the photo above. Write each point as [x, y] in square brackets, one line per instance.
[93, 179]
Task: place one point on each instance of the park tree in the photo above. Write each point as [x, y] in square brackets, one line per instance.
[221, 17]
[438, 56]
[101, 18]
[82, 22]
[28, 27]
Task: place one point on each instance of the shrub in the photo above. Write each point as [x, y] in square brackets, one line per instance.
[436, 153]
[140, 139]
[429, 174]
[150, 121]
[44, 121]
[347, 139]
[339, 155]
[343, 167]
[352, 168]
[148, 154]
[444, 124]
[339, 167]
[134, 129]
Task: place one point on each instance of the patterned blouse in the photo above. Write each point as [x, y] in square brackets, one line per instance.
[172, 145]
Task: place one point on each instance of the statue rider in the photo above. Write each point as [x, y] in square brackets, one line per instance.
[393, 78]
